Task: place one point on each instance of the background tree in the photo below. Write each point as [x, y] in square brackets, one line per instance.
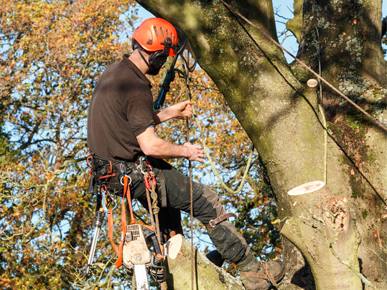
[52, 55]
[280, 113]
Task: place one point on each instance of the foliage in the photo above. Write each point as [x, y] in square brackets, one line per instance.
[52, 54]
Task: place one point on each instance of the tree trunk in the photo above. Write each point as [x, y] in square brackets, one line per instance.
[281, 114]
[207, 275]
[323, 229]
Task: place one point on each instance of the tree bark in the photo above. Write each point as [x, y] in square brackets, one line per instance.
[281, 114]
[207, 275]
[322, 228]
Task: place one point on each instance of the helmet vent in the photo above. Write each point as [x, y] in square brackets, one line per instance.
[151, 35]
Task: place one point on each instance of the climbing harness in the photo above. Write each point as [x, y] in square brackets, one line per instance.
[132, 250]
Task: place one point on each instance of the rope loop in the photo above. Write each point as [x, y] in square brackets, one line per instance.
[184, 75]
[155, 208]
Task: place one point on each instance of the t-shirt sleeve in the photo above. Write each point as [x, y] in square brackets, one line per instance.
[139, 113]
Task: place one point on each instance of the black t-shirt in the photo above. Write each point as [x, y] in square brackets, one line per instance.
[120, 109]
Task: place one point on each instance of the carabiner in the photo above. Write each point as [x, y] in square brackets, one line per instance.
[139, 166]
[104, 203]
[153, 178]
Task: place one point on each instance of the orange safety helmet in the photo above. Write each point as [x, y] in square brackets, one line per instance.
[151, 34]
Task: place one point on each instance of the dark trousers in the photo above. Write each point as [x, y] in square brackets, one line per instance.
[206, 206]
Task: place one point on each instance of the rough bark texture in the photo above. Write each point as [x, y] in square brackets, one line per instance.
[322, 227]
[207, 275]
[280, 113]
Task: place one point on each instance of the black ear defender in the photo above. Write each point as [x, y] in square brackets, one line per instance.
[159, 58]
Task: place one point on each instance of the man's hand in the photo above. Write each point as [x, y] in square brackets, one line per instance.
[194, 152]
[181, 110]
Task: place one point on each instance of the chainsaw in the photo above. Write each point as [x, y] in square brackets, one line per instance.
[138, 259]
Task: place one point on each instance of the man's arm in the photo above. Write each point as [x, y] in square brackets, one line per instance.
[180, 111]
[151, 145]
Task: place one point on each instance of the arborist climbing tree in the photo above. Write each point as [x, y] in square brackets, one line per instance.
[127, 156]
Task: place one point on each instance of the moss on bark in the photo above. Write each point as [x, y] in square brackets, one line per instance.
[280, 115]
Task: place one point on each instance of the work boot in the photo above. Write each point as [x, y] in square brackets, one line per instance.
[255, 274]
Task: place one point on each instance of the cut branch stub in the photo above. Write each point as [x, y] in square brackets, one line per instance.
[336, 214]
[207, 275]
[322, 228]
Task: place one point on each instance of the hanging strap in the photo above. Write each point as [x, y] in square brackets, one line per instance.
[219, 219]
[123, 221]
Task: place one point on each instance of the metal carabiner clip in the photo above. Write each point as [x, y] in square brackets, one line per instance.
[139, 166]
[104, 203]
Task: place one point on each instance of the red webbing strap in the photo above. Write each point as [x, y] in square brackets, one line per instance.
[123, 222]
[123, 219]
[129, 199]
[110, 229]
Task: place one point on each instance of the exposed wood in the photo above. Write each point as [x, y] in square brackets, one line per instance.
[321, 227]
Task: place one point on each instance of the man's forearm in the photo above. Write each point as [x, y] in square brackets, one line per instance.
[180, 110]
[151, 145]
[159, 148]
[161, 116]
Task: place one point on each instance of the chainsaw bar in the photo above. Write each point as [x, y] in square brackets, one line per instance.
[141, 277]
[136, 255]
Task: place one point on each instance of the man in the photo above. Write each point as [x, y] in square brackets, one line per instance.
[121, 129]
